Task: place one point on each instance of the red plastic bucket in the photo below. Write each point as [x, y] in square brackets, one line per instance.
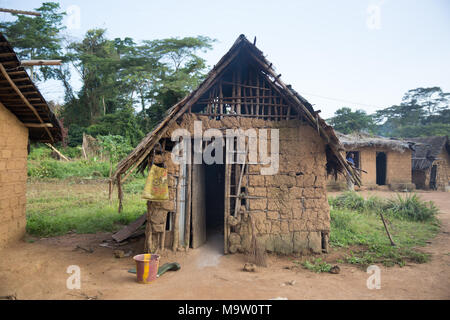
[146, 267]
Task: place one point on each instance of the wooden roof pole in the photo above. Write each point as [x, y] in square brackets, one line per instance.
[30, 13]
[13, 85]
[30, 63]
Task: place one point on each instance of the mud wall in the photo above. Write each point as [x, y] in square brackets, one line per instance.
[422, 177]
[398, 169]
[289, 210]
[13, 177]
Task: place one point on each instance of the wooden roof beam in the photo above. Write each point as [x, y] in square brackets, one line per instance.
[5, 74]
[38, 125]
[29, 63]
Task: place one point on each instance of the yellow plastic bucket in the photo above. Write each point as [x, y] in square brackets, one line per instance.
[146, 267]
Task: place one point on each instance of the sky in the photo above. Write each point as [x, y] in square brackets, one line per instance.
[362, 54]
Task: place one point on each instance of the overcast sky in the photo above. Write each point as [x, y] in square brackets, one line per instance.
[361, 54]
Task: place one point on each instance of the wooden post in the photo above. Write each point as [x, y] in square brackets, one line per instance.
[227, 206]
[187, 233]
[176, 227]
[387, 231]
[148, 229]
[119, 193]
[221, 98]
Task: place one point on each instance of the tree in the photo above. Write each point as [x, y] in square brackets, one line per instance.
[347, 121]
[422, 112]
[38, 37]
[122, 122]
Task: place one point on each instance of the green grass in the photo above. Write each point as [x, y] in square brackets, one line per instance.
[408, 207]
[50, 168]
[363, 228]
[317, 265]
[58, 208]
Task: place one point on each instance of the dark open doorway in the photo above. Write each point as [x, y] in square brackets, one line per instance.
[433, 177]
[208, 205]
[381, 168]
[214, 194]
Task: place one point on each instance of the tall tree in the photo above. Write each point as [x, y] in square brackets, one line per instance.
[347, 121]
[423, 111]
[38, 37]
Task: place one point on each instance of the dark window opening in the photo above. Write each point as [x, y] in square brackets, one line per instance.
[169, 221]
[381, 168]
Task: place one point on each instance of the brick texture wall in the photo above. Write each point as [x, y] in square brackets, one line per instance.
[13, 177]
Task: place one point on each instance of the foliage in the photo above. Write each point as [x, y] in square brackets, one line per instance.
[67, 207]
[120, 75]
[362, 227]
[116, 147]
[50, 168]
[347, 121]
[408, 207]
[75, 135]
[422, 112]
[38, 37]
[411, 208]
[317, 265]
[122, 123]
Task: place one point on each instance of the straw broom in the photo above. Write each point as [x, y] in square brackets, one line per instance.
[257, 253]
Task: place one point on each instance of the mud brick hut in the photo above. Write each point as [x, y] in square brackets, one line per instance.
[431, 163]
[386, 161]
[24, 116]
[287, 210]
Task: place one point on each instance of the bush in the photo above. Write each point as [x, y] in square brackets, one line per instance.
[408, 207]
[39, 152]
[412, 208]
[63, 169]
[317, 265]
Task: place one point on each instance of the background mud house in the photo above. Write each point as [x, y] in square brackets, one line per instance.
[24, 116]
[387, 162]
[289, 210]
[431, 163]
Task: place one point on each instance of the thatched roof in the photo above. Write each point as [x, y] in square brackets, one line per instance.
[241, 47]
[359, 140]
[427, 149]
[19, 95]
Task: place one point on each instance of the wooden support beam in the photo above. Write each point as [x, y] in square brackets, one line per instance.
[14, 11]
[38, 125]
[7, 54]
[33, 109]
[29, 63]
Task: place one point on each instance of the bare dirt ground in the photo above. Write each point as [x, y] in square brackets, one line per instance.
[38, 271]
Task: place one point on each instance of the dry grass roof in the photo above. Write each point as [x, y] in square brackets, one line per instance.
[301, 105]
[427, 149]
[359, 140]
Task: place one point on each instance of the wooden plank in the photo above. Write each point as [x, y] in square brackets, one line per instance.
[29, 63]
[38, 125]
[128, 230]
[198, 206]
